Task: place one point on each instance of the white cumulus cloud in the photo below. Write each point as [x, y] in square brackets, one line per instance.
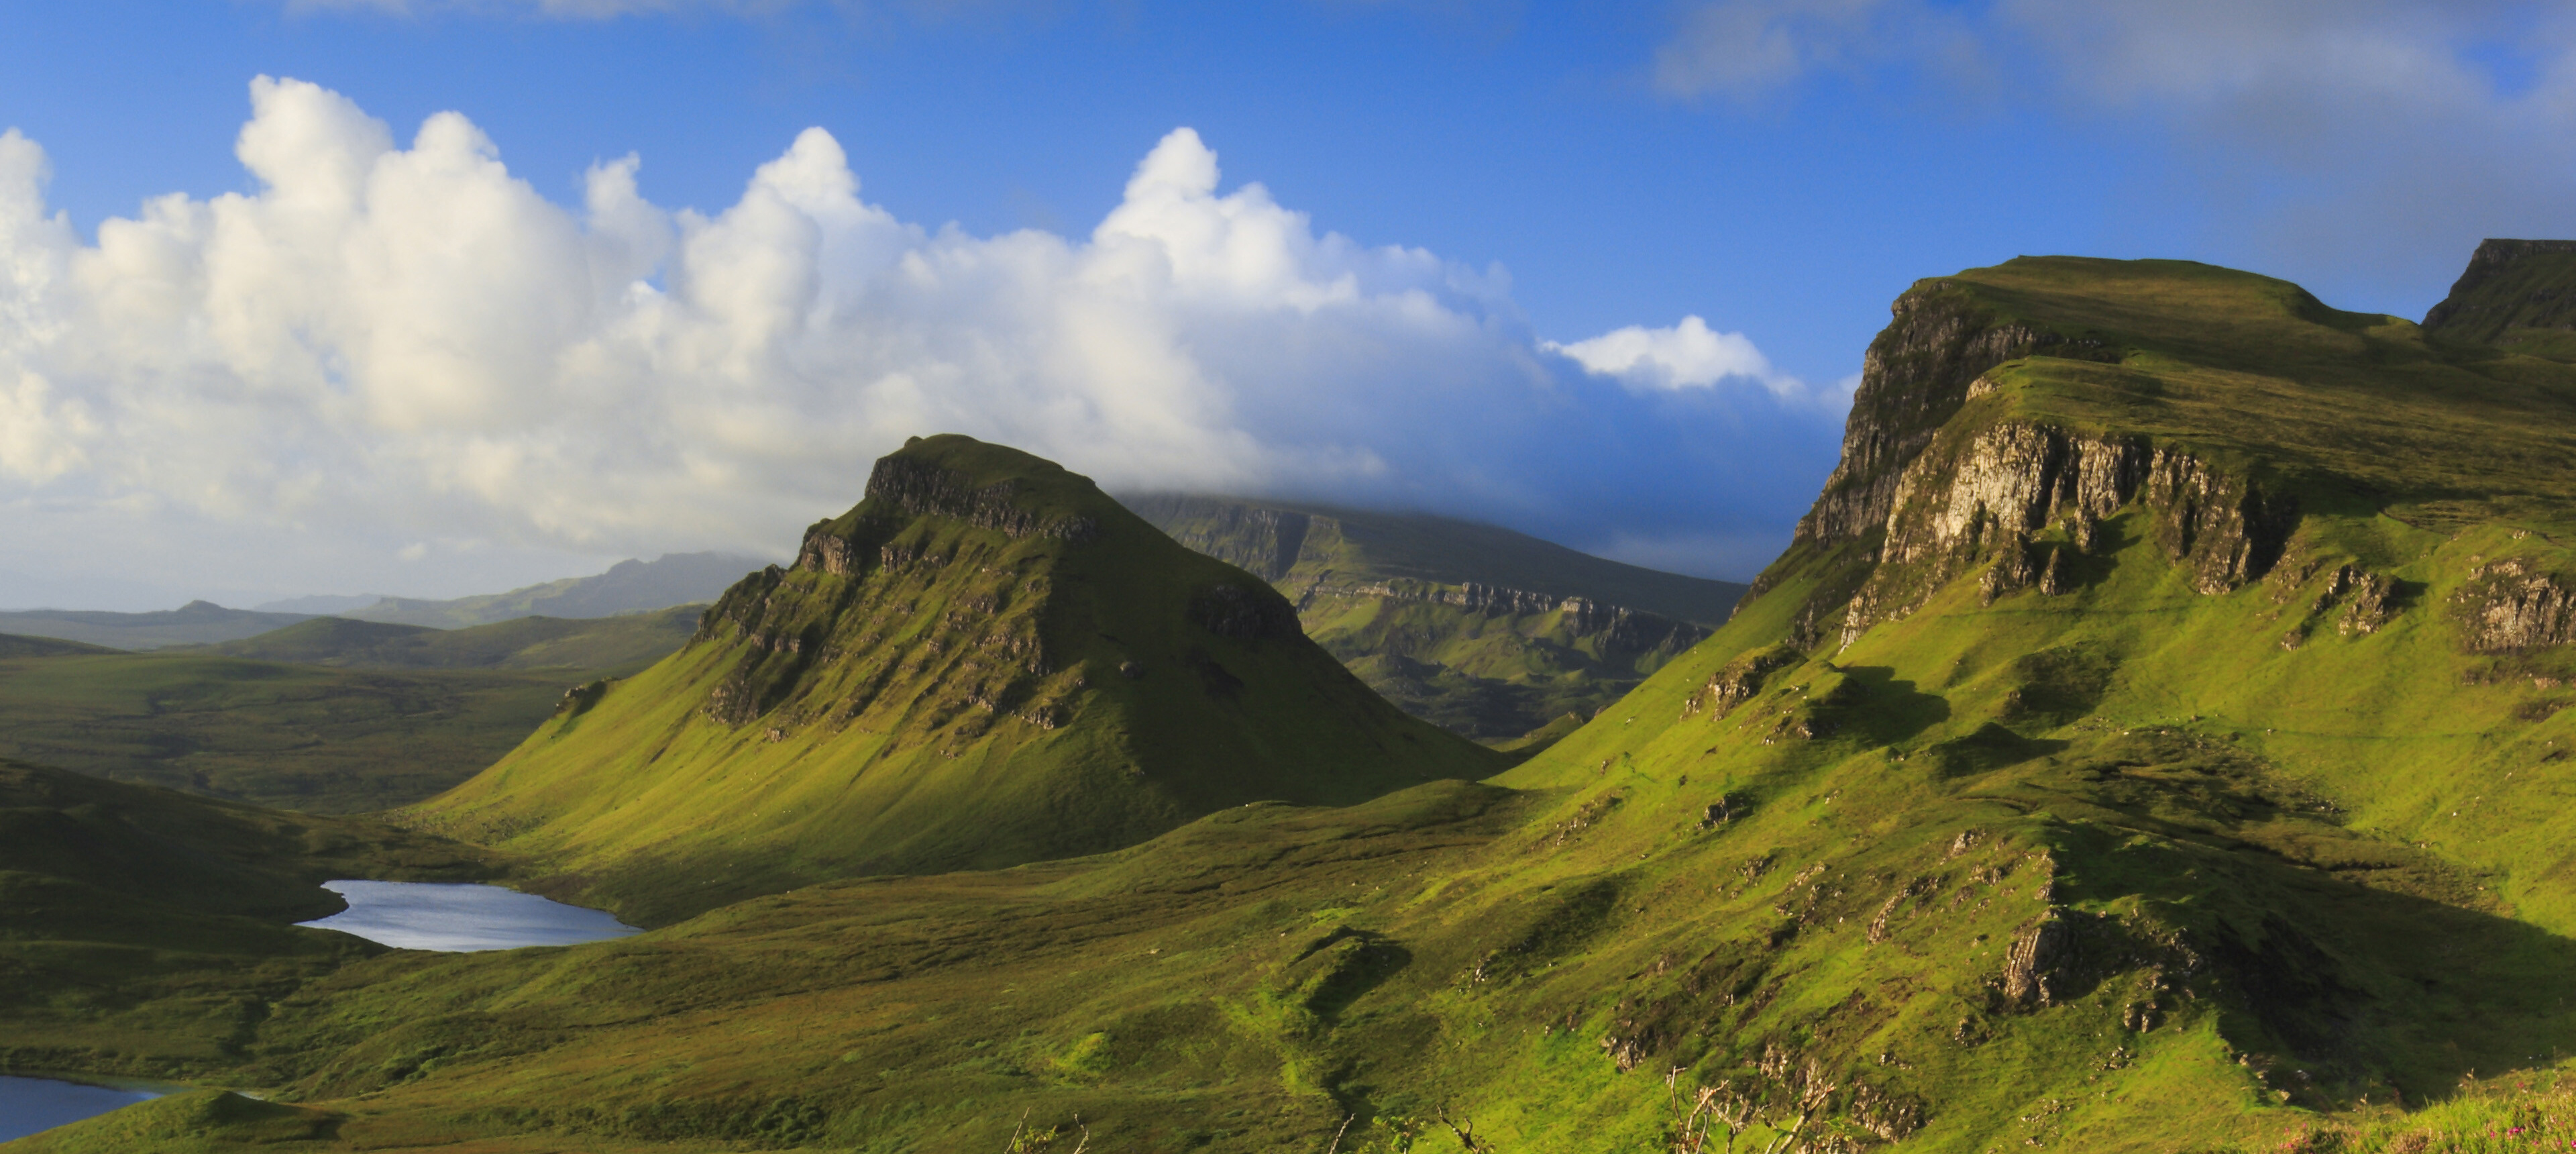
[390, 344]
[1689, 355]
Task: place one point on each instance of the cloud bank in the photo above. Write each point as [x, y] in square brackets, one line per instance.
[389, 352]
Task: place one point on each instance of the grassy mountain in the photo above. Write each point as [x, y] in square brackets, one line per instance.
[143, 932]
[2156, 740]
[298, 736]
[1485, 631]
[985, 662]
[196, 623]
[627, 587]
[602, 646]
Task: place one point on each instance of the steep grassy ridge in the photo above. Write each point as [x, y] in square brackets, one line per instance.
[1487, 632]
[986, 662]
[298, 736]
[2155, 747]
[600, 646]
[143, 932]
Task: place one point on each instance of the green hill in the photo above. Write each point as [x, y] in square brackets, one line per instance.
[142, 931]
[610, 646]
[629, 586]
[2155, 740]
[986, 662]
[1487, 632]
[196, 623]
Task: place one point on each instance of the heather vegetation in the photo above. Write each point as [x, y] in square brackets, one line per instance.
[2155, 740]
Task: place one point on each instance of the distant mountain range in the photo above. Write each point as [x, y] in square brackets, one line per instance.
[1485, 631]
[627, 587]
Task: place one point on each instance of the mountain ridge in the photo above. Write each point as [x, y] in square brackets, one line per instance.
[630, 586]
[1485, 631]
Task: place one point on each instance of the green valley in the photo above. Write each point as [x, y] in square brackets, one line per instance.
[2156, 738]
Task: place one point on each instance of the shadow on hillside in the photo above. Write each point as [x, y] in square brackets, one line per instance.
[2081, 568]
[2354, 984]
[1879, 709]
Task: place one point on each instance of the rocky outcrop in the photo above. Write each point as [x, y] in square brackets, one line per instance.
[1739, 680]
[2369, 601]
[1983, 500]
[1914, 377]
[2514, 604]
[921, 489]
[2038, 954]
[2230, 528]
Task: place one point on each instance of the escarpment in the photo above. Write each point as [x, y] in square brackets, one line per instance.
[1988, 496]
[2006, 432]
[1488, 632]
[1914, 376]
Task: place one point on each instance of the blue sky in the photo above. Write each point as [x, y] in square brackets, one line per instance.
[1535, 176]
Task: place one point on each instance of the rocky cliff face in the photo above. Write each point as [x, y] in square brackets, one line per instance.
[1924, 499]
[923, 489]
[1914, 377]
[2514, 604]
[1986, 496]
[1489, 632]
[1257, 539]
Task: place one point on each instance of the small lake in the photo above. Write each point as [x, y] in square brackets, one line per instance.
[29, 1105]
[463, 918]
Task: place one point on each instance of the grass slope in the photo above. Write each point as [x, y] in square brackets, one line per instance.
[1409, 602]
[986, 662]
[2126, 858]
[602, 646]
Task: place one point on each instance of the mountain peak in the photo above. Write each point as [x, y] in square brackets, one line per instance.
[986, 661]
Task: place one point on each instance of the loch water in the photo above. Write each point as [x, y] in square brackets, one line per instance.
[30, 1105]
[458, 918]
